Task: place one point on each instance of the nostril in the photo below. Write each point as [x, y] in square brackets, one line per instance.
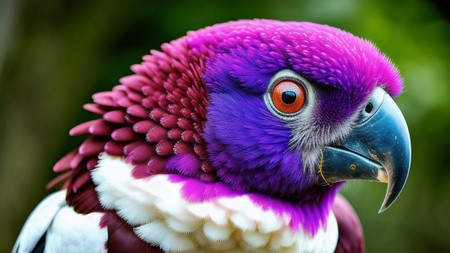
[369, 107]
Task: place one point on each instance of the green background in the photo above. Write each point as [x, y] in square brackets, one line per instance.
[55, 54]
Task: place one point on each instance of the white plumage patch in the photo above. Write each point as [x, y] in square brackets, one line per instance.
[39, 221]
[72, 232]
[161, 216]
[64, 229]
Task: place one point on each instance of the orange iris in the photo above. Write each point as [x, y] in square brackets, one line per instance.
[288, 96]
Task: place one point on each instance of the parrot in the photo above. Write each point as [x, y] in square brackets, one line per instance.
[236, 137]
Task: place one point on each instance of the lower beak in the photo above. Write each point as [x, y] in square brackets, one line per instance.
[378, 149]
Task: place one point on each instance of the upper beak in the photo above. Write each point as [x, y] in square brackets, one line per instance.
[377, 149]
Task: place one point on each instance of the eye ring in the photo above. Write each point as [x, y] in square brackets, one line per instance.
[295, 84]
[288, 96]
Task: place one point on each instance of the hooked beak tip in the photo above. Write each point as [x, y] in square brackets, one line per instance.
[378, 149]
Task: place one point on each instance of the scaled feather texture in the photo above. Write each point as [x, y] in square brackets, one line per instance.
[186, 156]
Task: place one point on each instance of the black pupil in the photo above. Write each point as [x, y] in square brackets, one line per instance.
[288, 97]
[369, 107]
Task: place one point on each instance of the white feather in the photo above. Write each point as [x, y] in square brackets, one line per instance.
[216, 233]
[158, 233]
[255, 239]
[271, 223]
[66, 230]
[218, 216]
[39, 221]
[170, 208]
[153, 232]
[72, 232]
[134, 212]
[242, 222]
[227, 245]
[201, 239]
[200, 210]
[283, 239]
[181, 226]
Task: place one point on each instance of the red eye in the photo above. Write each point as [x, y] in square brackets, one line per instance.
[288, 96]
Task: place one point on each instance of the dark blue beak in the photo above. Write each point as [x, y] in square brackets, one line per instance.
[377, 149]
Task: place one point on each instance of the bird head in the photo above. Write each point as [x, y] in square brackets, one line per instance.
[296, 108]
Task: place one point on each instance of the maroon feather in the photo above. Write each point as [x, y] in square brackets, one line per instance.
[184, 123]
[64, 163]
[156, 165]
[156, 114]
[82, 128]
[80, 181]
[104, 100]
[114, 148]
[60, 178]
[174, 134]
[142, 127]
[208, 177]
[91, 146]
[124, 102]
[77, 159]
[124, 134]
[188, 136]
[174, 109]
[101, 128]
[164, 147]
[140, 171]
[141, 153]
[207, 167]
[137, 111]
[136, 97]
[130, 119]
[351, 237]
[131, 146]
[149, 103]
[90, 165]
[85, 200]
[95, 108]
[182, 147]
[135, 82]
[156, 134]
[122, 239]
[200, 151]
[116, 116]
[169, 121]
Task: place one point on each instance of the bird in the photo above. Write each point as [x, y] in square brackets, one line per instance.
[233, 138]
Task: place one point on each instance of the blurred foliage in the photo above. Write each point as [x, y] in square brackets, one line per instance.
[54, 55]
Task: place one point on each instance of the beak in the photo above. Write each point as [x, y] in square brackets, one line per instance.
[378, 149]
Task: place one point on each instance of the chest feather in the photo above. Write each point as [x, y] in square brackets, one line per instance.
[161, 216]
